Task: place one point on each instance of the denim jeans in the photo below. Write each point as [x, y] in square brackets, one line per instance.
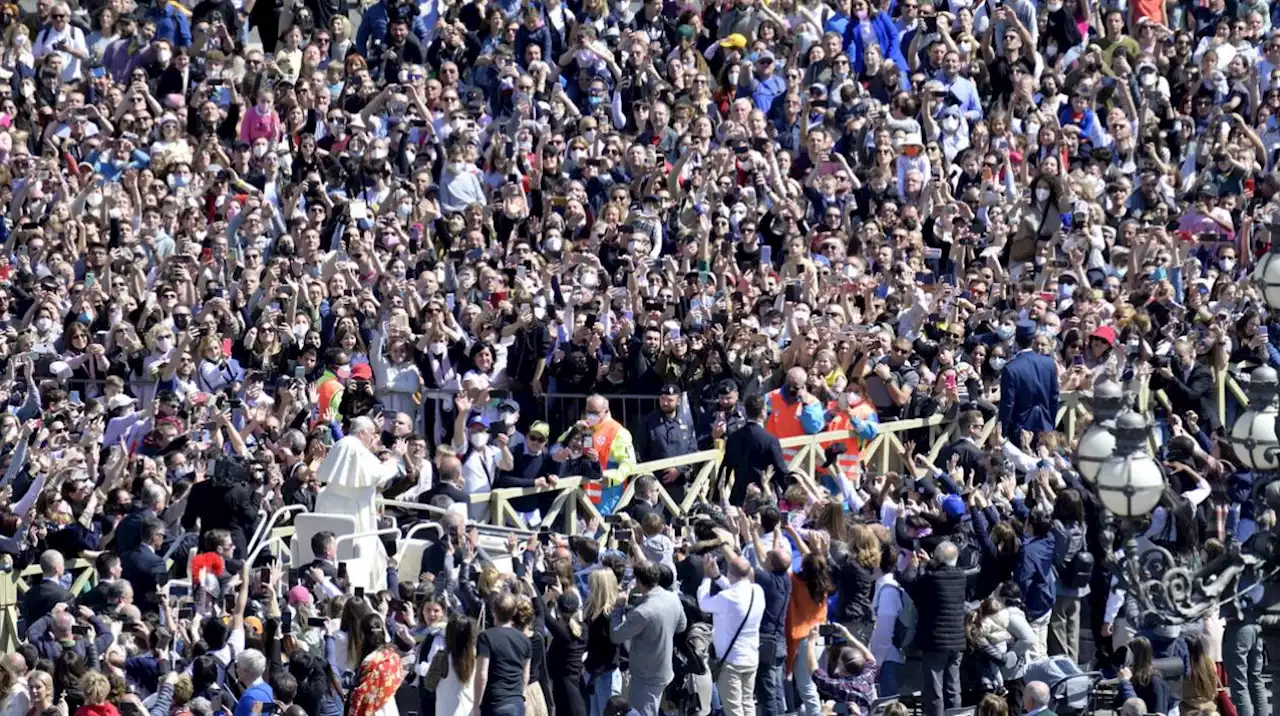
[770, 696]
[942, 681]
[810, 702]
[891, 678]
[510, 708]
[601, 688]
[1242, 657]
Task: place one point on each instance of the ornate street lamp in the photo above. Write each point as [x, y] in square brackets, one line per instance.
[1130, 482]
[1098, 443]
[1267, 273]
[1253, 437]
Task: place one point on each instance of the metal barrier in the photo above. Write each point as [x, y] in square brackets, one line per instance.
[14, 584]
[885, 453]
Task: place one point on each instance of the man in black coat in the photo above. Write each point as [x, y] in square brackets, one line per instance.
[227, 501]
[43, 597]
[129, 532]
[750, 450]
[938, 594]
[145, 569]
[109, 570]
[971, 457]
[1187, 382]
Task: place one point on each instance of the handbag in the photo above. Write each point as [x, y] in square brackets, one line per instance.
[718, 663]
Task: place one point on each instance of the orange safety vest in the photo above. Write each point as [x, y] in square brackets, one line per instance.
[324, 395]
[783, 422]
[851, 460]
[602, 439]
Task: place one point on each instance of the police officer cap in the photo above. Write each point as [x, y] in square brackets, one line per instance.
[1026, 330]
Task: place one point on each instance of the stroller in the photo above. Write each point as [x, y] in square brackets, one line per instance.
[1072, 691]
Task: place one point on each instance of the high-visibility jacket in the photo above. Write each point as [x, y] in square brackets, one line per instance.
[614, 446]
[329, 396]
[789, 420]
[859, 418]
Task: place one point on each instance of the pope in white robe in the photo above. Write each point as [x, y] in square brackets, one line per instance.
[351, 476]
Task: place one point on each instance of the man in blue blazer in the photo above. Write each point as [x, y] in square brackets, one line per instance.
[1028, 387]
[251, 666]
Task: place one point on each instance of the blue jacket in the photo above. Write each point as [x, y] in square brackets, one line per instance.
[1029, 394]
[1034, 575]
[172, 25]
[258, 693]
[886, 33]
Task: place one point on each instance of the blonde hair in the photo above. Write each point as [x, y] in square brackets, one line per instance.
[95, 687]
[602, 589]
[865, 546]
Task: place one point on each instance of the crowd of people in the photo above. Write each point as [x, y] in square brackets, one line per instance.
[508, 244]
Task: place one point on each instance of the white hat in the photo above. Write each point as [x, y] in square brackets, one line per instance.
[119, 400]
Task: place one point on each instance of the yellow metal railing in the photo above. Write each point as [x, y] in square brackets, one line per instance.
[14, 585]
[885, 453]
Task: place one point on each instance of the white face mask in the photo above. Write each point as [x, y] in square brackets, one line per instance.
[1227, 264]
[590, 280]
[164, 56]
[539, 312]
[1042, 195]
[437, 348]
[592, 419]
[43, 324]
[300, 330]
[94, 200]
[950, 124]
[553, 244]
[164, 344]
[259, 150]
[479, 440]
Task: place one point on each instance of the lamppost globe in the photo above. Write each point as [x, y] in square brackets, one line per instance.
[1253, 436]
[1099, 442]
[1267, 274]
[1130, 482]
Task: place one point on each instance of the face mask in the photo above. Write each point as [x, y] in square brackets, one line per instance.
[1159, 274]
[595, 101]
[1065, 289]
[437, 348]
[592, 419]
[1004, 332]
[479, 440]
[378, 154]
[553, 244]
[578, 155]
[1227, 264]
[94, 200]
[300, 331]
[997, 364]
[164, 344]
[43, 324]
[176, 181]
[164, 56]
[1042, 195]
[772, 331]
[950, 124]
[590, 280]
[539, 312]
[259, 150]
[404, 210]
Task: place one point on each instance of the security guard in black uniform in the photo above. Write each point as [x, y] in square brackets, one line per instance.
[722, 419]
[665, 434]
